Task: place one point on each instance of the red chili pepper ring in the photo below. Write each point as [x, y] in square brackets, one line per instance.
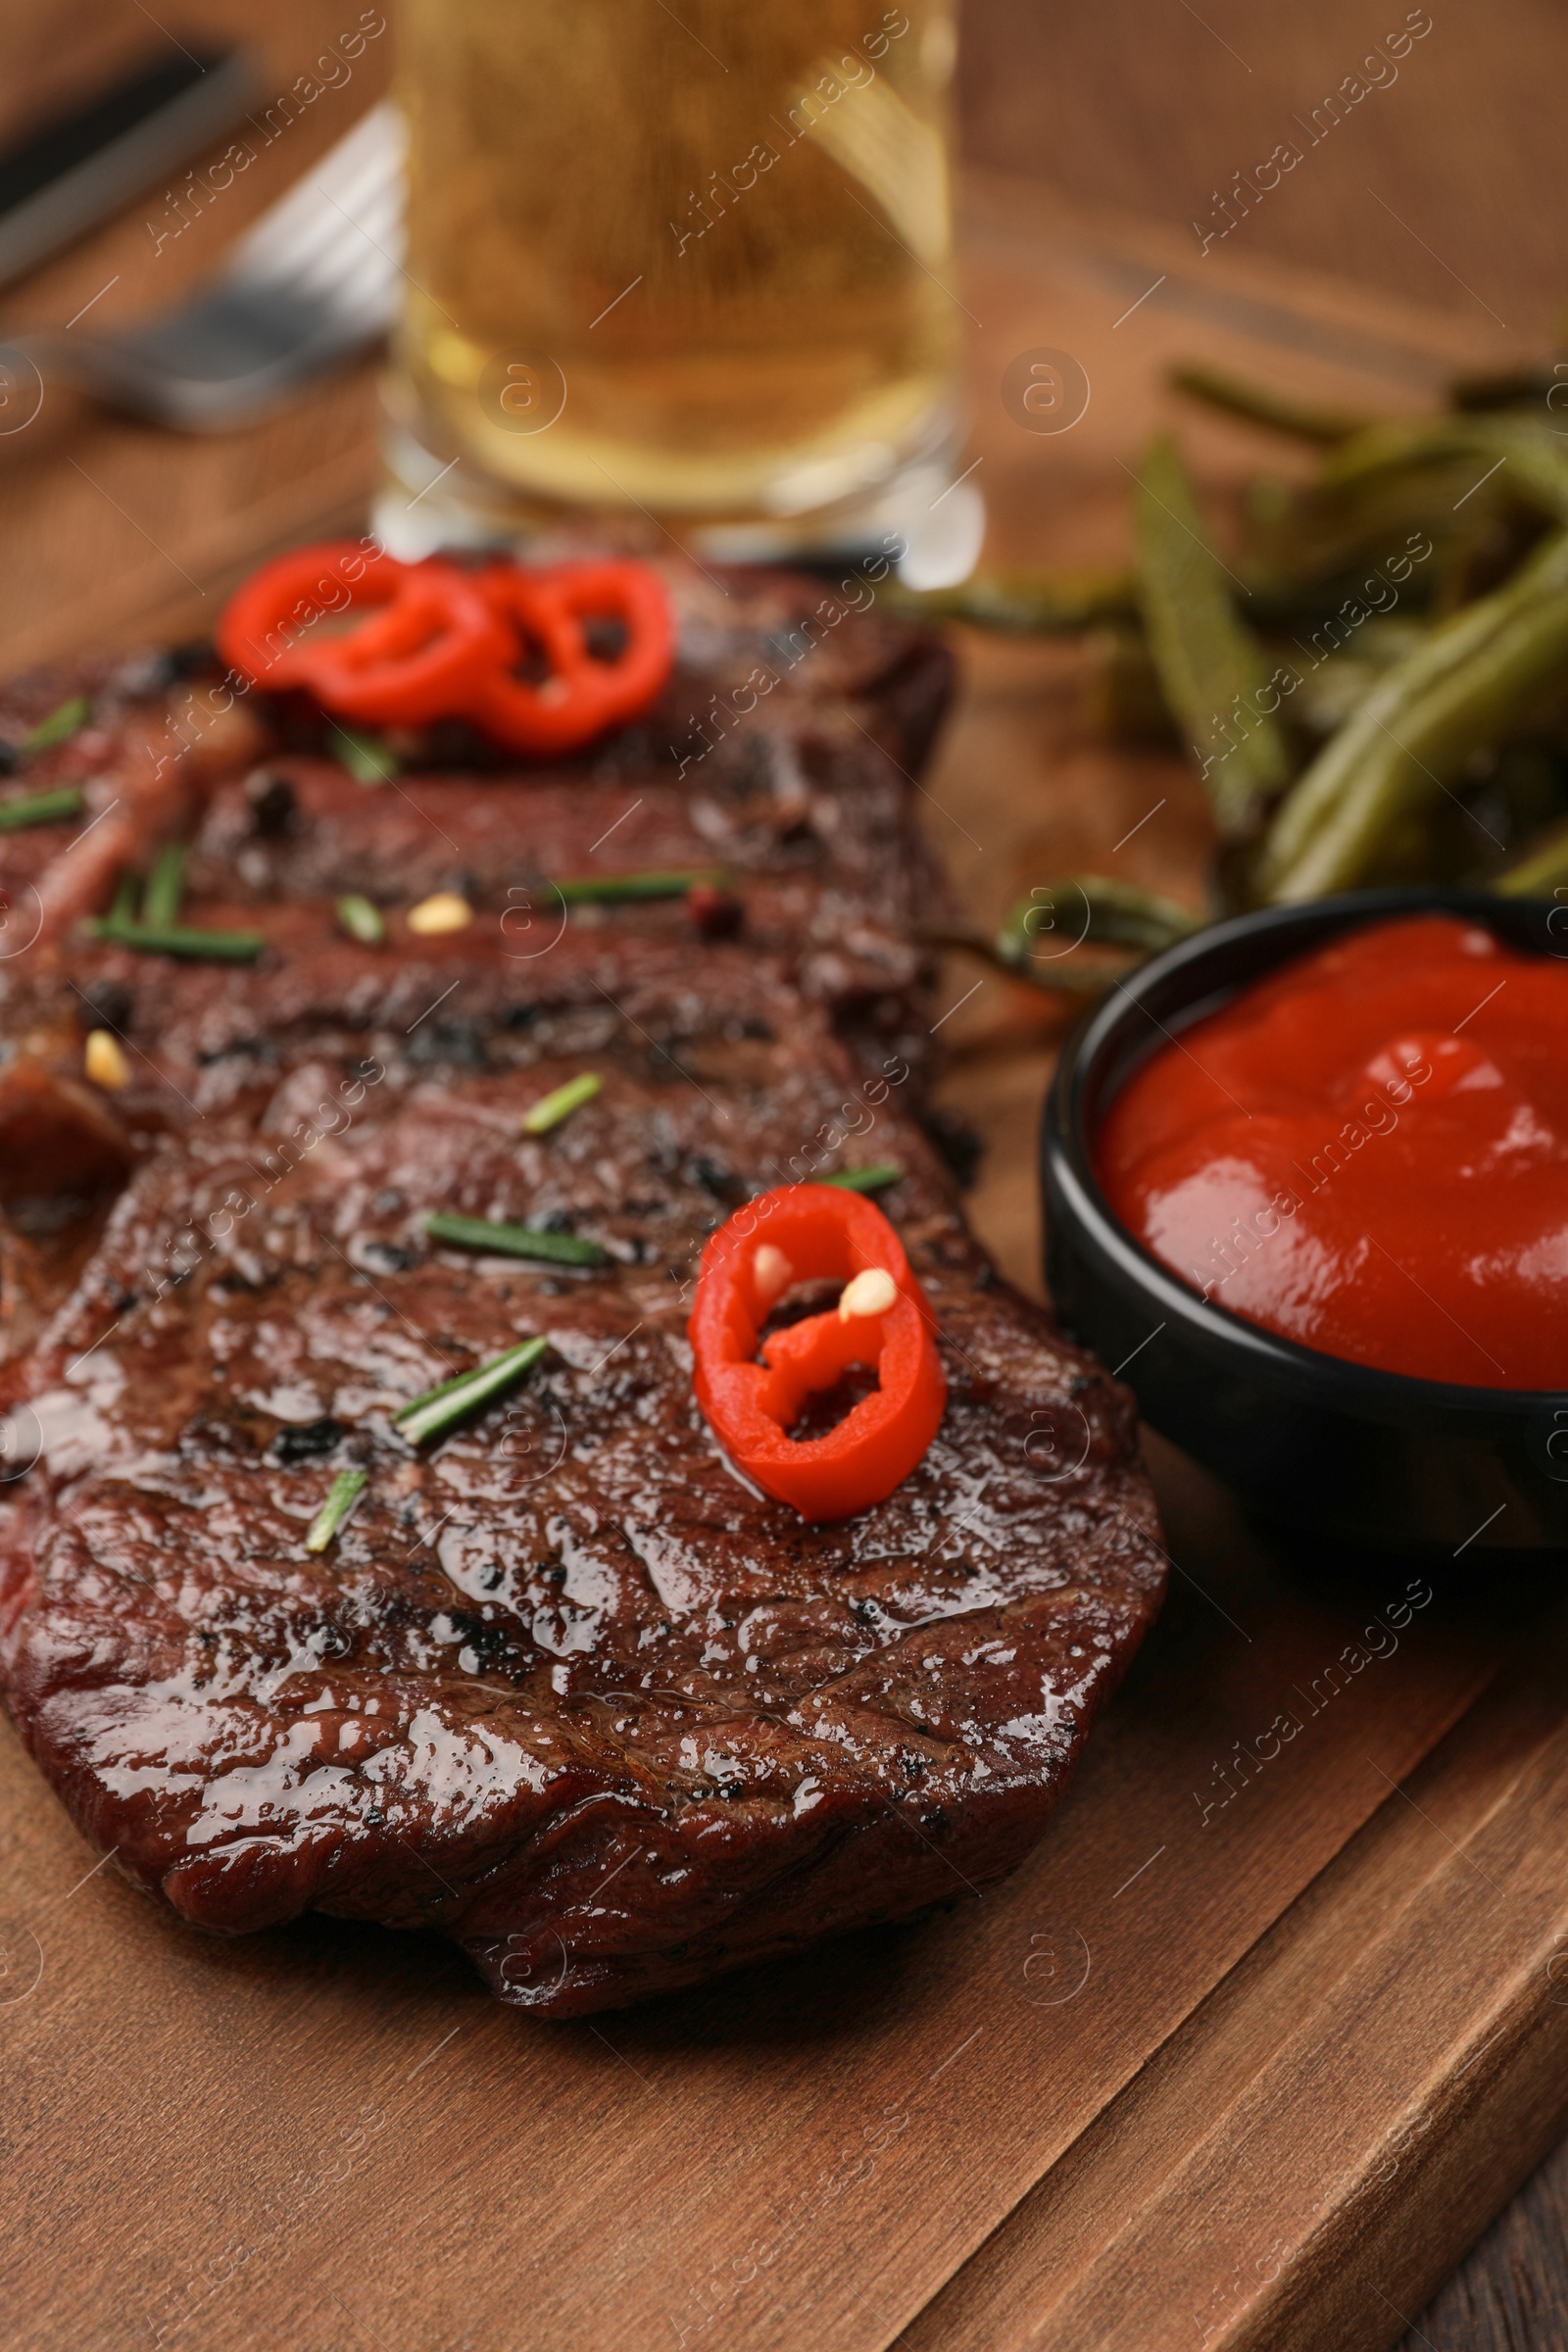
[802, 1233]
[512, 647]
[429, 637]
[262, 630]
[579, 696]
[417, 659]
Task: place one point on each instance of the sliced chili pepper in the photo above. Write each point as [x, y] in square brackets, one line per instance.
[801, 1232]
[431, 635]
[425, 655]
[444, 642]
[581, 694]
[262, 632]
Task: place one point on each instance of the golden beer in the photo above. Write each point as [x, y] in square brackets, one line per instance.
[693, 261]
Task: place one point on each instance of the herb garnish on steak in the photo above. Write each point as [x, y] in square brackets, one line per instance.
[558, 1680]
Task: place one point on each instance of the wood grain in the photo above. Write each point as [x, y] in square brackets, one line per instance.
[1512, 2293]
[1417, 1964]
[1247, 2073]
[124, 527]
[1443, 184]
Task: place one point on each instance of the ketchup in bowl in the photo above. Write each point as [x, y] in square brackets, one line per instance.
[1368, 1152]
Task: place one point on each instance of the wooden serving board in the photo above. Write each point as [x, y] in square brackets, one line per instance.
[1244, 2057]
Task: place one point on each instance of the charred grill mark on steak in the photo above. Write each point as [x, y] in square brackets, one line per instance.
[562, 1685]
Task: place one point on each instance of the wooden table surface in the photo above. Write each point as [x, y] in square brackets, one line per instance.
[112, 530]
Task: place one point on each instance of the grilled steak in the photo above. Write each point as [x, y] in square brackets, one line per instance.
[564, 1685]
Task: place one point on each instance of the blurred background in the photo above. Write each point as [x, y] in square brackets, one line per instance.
[1139, 105]
[1145, 106]
[1421, 214]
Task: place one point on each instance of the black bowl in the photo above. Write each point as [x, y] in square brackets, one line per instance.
[1316, 1445]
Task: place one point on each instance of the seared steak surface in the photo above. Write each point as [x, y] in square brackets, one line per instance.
[564, 1685]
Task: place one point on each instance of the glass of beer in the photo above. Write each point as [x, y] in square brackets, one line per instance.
[680, 266]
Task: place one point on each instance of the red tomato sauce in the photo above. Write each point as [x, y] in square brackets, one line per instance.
[1368, 1152]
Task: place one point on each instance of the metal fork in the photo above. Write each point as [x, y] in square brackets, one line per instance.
[316, 278]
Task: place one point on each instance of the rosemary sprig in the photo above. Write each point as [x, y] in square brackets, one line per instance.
[124, 930]
[41, 808]
[170, 939]
[865, 1180]
[346, 1490]
[59, 726]
[166, 888]
[552, 1109]
[440, 1409]
[514, 1240]
[362, 919]
[608, 890]
[368, 757]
